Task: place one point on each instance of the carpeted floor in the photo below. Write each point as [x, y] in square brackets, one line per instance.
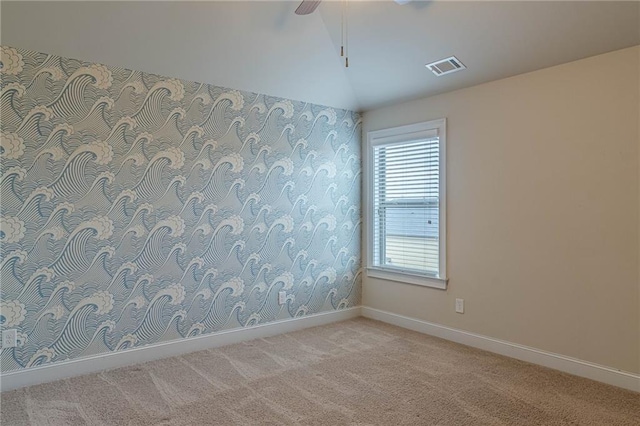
[358, 372]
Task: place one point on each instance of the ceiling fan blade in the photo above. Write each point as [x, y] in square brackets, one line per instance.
[307, 7]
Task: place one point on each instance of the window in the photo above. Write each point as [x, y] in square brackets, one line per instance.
[405, 204]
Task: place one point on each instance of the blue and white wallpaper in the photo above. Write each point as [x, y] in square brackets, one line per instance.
[138, 208]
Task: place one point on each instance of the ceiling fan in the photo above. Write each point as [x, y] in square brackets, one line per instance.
[308, 6]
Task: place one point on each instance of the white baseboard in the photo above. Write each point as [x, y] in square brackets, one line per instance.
[110, 360]
[567, 364]
[96, 363]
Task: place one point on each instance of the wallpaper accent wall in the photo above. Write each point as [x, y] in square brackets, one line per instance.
[138, 208]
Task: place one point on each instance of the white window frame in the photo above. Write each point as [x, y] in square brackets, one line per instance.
[398, 135]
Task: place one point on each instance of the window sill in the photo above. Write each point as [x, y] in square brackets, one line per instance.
[408, 278]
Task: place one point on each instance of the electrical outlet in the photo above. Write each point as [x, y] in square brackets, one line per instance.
[282, 297]
[9, 338]
[460, 306]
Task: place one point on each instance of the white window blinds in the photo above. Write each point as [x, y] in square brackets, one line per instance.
[406, 205]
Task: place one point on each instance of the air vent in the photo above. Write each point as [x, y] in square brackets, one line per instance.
[446, 66]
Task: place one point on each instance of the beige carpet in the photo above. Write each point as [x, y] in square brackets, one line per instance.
[358, 372]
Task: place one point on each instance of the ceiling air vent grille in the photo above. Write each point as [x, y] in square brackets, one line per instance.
[446, 66]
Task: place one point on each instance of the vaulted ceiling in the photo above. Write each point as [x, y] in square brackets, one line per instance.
[264, 47]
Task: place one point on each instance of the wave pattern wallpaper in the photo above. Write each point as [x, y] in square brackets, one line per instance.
[137, 208]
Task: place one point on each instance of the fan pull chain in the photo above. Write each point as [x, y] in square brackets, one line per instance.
[346, 33]
[342, 30]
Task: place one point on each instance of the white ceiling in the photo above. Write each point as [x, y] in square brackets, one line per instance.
[264, 47]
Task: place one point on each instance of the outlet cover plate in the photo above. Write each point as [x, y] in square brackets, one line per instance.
[9, 338]
[460, 306]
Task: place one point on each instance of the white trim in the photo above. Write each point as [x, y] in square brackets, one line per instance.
[110, 360]
[96, 363]
[400, 134]
[442, 213]
[407, 278]
[564, 363]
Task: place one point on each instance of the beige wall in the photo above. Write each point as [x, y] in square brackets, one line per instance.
[543, 202]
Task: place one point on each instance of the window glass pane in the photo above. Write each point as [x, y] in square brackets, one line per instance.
[406, 205]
